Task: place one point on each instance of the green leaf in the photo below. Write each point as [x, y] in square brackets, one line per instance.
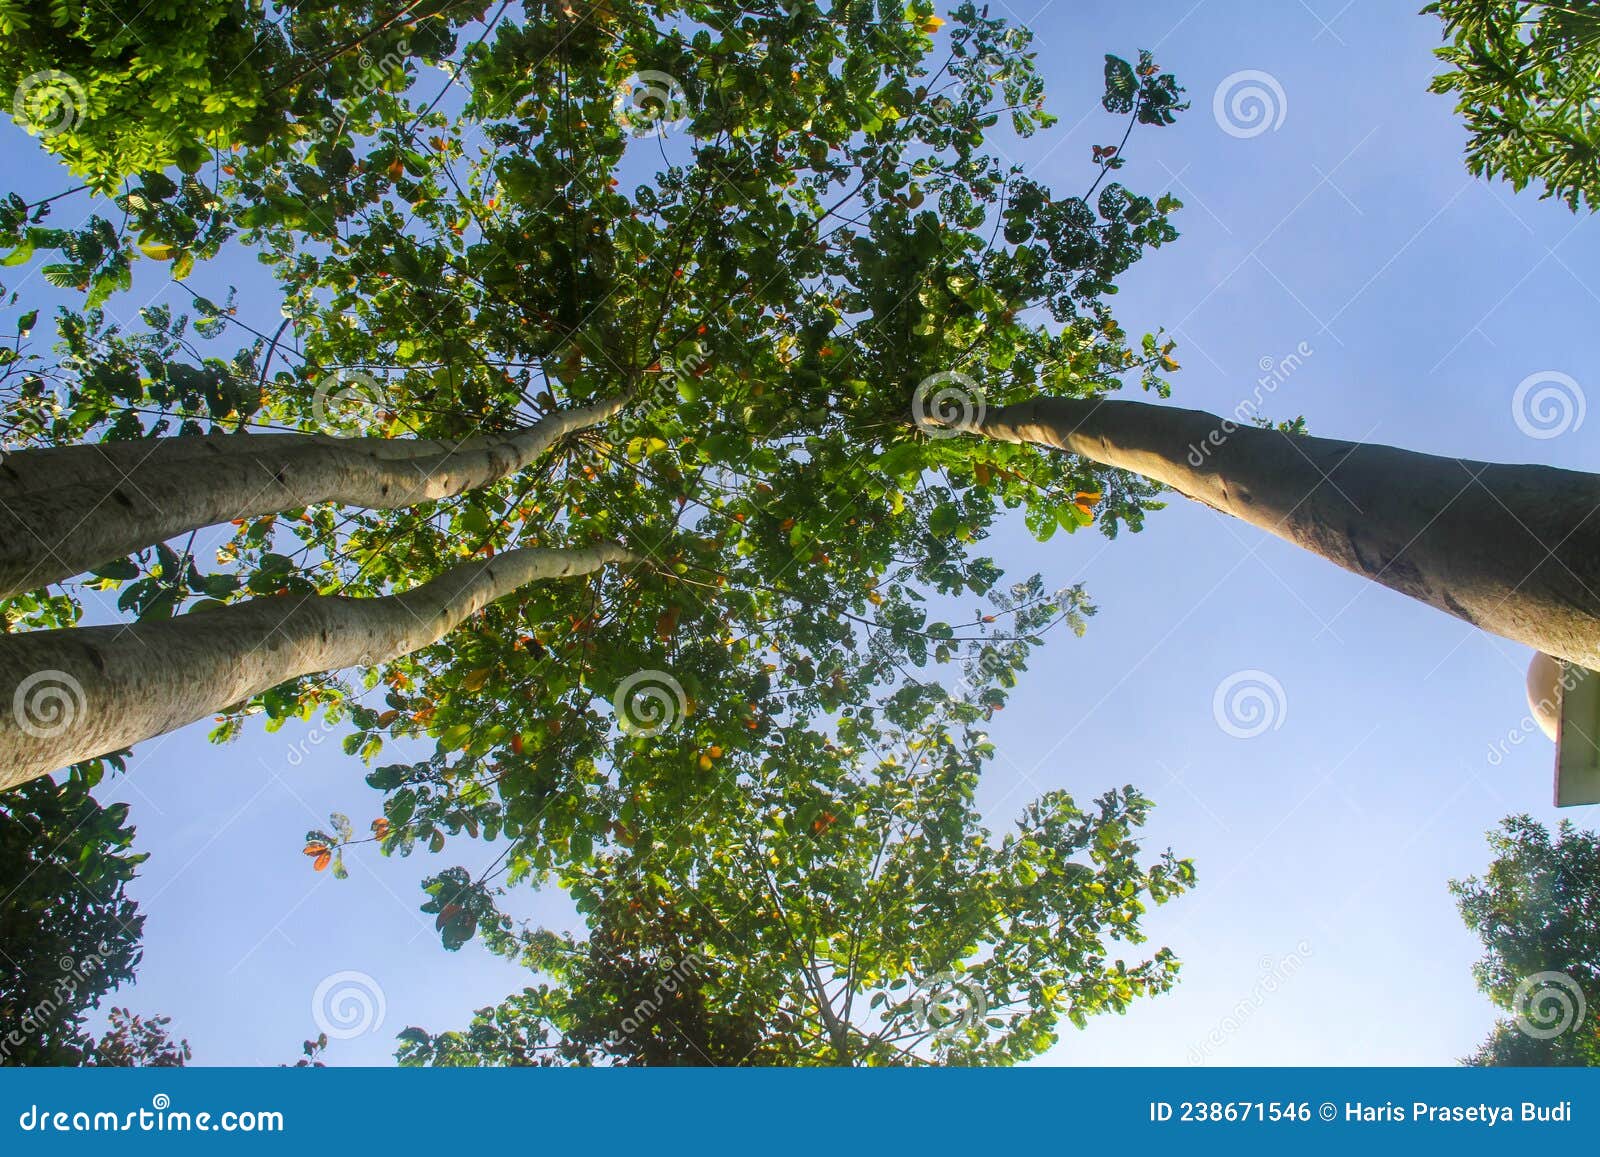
[1122, 85]
[401, 806]
[120, 569]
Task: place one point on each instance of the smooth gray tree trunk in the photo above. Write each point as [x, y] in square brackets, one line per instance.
[69, 695]
[65, 510]
[1512, 549]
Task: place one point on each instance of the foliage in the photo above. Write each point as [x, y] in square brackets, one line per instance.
[834, 899]
[769, 228]
[767, 287]
[132, 1041]
[1526, 77]
[1537, 910]
[107, 93]
[117, 92]
[70, 932]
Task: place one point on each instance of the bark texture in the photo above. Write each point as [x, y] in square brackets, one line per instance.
[74, 694]
[65, 510]
[1512, 549]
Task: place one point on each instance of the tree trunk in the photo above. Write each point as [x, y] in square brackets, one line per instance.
[1512, 549]
[64, 510]
[74, 694]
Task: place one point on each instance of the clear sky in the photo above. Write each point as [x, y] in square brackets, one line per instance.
[1321, 931]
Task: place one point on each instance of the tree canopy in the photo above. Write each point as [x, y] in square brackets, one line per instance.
[116, 93]
[1537, 910]
[824, 233]
[1524, 72]
[718, 249]
[623, 346]
[69, 931]
[839, 902]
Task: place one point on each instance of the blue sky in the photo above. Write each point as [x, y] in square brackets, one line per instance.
[1321, 931]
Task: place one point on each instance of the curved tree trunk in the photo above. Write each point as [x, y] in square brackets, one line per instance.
[67, 509]
[74, 694]
[1512, 549]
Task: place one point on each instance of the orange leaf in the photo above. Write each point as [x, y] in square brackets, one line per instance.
[322, 861]
[316, 849]
[667, 623]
